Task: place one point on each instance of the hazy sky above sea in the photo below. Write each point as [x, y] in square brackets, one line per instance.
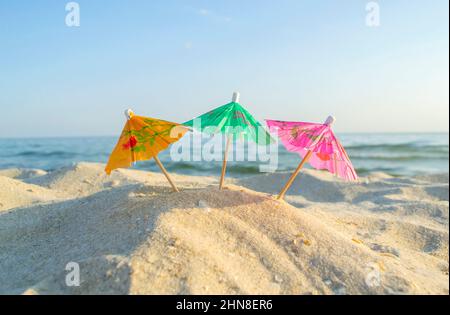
[290, 59]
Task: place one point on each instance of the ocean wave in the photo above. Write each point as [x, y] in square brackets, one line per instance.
[38, 154]
[405, 147]
[399, 154]
[388, 170]
[235, 168]
[406, 158]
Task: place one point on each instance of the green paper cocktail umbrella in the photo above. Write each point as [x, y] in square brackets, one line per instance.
[233, 120]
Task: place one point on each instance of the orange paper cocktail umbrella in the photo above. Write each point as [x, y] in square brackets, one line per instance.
[143, 138]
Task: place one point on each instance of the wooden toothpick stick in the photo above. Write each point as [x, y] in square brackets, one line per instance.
[165, 173]
[234, 99]
[294, 175]
[329, 121]
[129, 114]
[224, 164]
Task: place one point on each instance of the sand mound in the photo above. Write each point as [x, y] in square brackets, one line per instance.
[85, 179]
[18, 173]
[380, 236]
[425, 196]
[14, 193]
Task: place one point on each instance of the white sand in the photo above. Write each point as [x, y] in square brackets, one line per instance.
[131, 235]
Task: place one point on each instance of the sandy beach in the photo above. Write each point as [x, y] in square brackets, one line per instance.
[130, 234]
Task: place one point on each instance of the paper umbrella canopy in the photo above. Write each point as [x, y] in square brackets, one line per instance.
[318, 142]
[143, 138]
[231, 119]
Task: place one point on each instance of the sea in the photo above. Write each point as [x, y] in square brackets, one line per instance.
[398, 154]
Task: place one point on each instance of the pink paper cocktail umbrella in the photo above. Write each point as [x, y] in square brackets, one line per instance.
[317, 144]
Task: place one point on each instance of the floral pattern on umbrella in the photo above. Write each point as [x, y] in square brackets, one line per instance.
[233, 120]
[142, 139]
[327, 152]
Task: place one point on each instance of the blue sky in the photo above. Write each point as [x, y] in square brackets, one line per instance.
[290, 59]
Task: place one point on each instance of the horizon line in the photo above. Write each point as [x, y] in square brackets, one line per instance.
[341, 133]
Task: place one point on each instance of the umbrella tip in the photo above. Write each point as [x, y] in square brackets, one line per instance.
[236, 96]
[128, 113]
[330, 120]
